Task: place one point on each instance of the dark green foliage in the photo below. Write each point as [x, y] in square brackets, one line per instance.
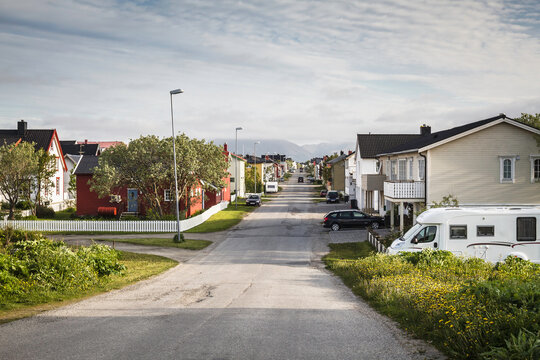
[182, 239]
[44, 212]
[23, 205]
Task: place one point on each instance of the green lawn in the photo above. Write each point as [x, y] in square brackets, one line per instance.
[225, 219]
[165, 242]
[138, 267]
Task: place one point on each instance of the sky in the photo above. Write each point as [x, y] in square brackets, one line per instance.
[304, 71]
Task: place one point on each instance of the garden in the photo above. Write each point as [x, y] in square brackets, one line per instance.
[36, 271]
[466, 307]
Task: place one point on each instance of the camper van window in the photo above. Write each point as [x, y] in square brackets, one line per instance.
[458, 231]
[526, 228]
[485, 231]
[427, 234]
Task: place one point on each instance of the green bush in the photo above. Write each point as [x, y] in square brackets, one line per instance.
[182, 239]
[31, 269]
[10, 235]
[23, 205]
[44, 212]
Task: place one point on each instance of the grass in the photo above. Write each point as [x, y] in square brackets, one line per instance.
[224, 220]
[466, 307]
[165, 242]
[138, 267]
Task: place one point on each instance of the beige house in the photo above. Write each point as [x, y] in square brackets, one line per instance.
[338, 172]
[492, 162]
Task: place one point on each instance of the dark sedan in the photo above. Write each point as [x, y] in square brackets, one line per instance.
[338, 219]
[254, 200]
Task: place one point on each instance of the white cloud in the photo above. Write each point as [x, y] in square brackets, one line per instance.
[102, 70]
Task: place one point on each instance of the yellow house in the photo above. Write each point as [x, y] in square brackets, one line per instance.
[492, 162]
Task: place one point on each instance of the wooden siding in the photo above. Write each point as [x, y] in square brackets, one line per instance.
[469, 168]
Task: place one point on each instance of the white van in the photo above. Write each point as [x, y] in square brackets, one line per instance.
[271, 187]
[488, 233]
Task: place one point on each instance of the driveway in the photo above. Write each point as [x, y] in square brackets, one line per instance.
[258, 293]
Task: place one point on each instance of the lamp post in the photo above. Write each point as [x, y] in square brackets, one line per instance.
[236, 169]
[255, 159]
[174, 92]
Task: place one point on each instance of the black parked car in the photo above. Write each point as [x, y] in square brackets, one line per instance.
[332, 196]
[338, 219]
[300, 179]
[254, 200]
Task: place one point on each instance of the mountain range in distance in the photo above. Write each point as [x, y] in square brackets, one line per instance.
[299, 153]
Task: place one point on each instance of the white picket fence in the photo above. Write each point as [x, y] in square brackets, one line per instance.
[114, 226]
[374, 240]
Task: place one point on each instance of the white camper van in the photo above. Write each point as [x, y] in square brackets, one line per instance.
[271, 187]
[488, 233]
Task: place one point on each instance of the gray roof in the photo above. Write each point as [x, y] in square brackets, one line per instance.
[372, 144]
[69, 147]
[338, 159]
[86, 165]
[429, 139]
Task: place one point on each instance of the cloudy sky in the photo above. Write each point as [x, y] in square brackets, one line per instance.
[305, 71]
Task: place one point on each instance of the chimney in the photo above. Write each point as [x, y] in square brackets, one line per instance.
[85, 141]
[21, 128]
[425, 130]
[225, 147]
[341, 153]
[350, 152]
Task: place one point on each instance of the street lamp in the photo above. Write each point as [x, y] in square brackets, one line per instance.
[255, 159]
[236, 169]
[174, 92]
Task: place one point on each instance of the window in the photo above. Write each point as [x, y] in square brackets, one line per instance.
[402, 171]
[167, 195]
[485, 231]
[57, 163]
[535, 168]
[410, 173]
[358, 215]
[507, 168]
[526, 228]
[458, 231]
[421, 168]
[377, 166]
[427, 234]
[57, 186]
[393, 170]
[345, 215]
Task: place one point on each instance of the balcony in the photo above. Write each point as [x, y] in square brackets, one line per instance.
[373, 182]
[404, 190]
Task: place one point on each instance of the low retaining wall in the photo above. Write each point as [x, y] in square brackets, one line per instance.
[114, 226]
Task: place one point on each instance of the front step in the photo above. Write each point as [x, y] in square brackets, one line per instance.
[128, 213]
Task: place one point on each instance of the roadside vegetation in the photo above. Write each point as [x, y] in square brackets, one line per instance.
[225, 219]
[468, 308]
[165, 242]
[37, 274]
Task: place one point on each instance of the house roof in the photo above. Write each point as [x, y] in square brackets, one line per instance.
[42, 138]
[338, 159]
[69, 147]
[102, 144]
[439, 137]
[372, 144]
[86, 165]
[238, 157]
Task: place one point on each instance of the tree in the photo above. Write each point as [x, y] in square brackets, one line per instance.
[44, 171]
[143, 164]
[18, 166]
[531, 120]
[250, 179]
[147, 164]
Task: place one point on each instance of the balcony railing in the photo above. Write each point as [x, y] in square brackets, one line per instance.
[404, 189]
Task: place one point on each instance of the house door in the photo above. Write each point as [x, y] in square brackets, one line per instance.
[133, 196]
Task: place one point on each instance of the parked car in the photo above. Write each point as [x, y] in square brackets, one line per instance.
[300, 179]
[323, 193]
[332, 196]
[338, 219]
[254, 200]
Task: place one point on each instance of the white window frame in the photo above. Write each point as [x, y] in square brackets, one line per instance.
[533, 159]
[421, 168]
[167, 195]
[410, 172]
[393, 170]
[402, 169]
[502, 160]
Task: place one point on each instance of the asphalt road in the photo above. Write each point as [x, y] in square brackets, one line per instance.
[260, 293]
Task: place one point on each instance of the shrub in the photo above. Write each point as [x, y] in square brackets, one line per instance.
[44, 212]
[10, 235]
[23, 205]
[102, 258]
[523, 346]
[175, 239]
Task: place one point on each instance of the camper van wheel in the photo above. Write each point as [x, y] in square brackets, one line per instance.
[374, 225]
[335, 227]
